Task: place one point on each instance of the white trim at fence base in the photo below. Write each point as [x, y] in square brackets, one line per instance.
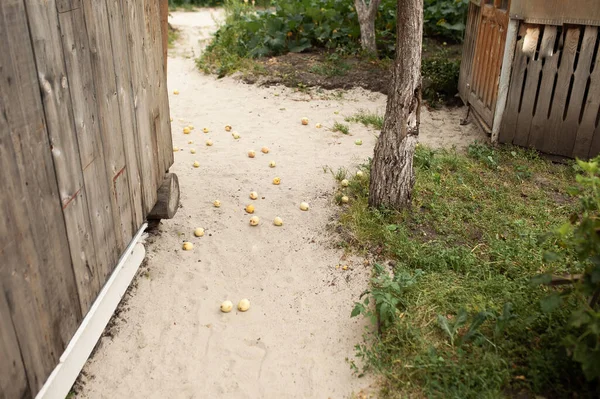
[82, 344]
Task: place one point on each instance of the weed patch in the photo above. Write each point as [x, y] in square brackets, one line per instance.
[367, 118]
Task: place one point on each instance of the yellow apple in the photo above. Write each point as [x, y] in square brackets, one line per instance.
[253, 195]
[235, 135]
[344, 183]
[358, 142]
[254, 220]
[304, 206]
[192, 150]
[251, 154]
[318, 126]
[226, 306]
[188, 246]
[228, 128]
[304, 121]
[175, 149]
[186, 130]
[199, 232]
[205, 130]
[272, 164]
[360, 173]
[217, 203]
[196, 164]
[209, 143]
[345, 199]
[244, 305]
[278, 221]
[276, 181]
[176, 92]
[250, 208]
[265, 150]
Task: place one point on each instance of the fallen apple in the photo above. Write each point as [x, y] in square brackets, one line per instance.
[345, 183]
[235, 135]
[188, 246]
[345, 199]
[199, 232]
[228, 128]
[186, 130]
[272, 164]
[196, 164]
[244, 305]
[190, 142]
[226, 306]
[276, 181]
[217, 203]
[264, 150]
[278, 221]
[253, 195]
[176, 92]
[251, 154]
[358, 142]
[304, 121]
[191, 127]
[318, 126]
[205, 130]
[209, 143]
[304, 206]
[175, 149]
[254, 220]
[250, 208]
[192, 150]
[360, 173]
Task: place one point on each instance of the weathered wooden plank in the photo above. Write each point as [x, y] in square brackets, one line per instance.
[67, 5]
[537, 133]
[13, 380]
[581, 75]
[43, 300]
[525, 115]
[464, 80]
[159, 79]
[164, 27]
[135, 28]
[127, 111]
[56, 99]
[587, 144]
[103, 72]
[81, 86]
[554, 142]
[511, 113]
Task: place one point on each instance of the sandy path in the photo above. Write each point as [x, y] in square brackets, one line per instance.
[170, 339]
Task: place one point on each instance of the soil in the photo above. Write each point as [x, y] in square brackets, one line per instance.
[295, 70]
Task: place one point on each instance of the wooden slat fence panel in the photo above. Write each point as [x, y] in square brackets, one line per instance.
[554, 95]
[85, 142]
[35, 272]
[466, 67]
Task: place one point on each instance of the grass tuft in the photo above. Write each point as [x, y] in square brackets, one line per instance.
[367, 118]
[341, 127]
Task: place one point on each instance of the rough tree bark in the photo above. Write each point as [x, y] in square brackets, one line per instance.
[366, 19]
[392, 175]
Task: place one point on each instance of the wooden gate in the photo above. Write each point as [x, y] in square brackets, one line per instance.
[480, 88]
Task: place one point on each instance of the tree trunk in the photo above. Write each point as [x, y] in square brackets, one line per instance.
[366, 20]
[392, 175]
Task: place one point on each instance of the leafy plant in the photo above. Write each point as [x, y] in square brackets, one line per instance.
[581, 237]
[440, 77]
[367, 118]
[386, 293]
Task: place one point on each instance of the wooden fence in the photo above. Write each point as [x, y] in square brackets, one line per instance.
[554, 94]
[85, 142]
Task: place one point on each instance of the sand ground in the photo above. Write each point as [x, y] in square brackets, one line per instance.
[169, 339]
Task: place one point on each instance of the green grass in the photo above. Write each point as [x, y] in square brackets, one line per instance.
[367, 118]
[341, 127]
[173, 36]
[469, 246]
[330, 68]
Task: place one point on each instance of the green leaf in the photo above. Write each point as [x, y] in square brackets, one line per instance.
[445, 326]
[358, 309]
[550, 303]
